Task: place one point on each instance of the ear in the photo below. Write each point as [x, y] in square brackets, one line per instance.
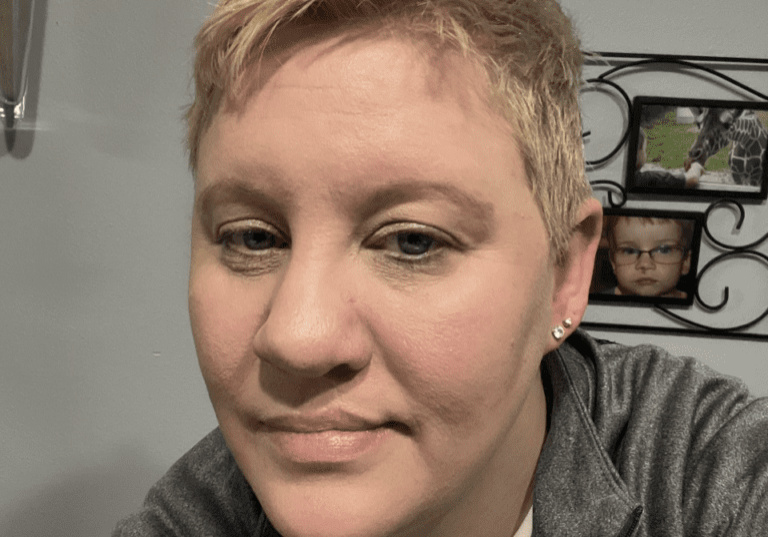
[613, 263]
[686, 266]
[572, 280]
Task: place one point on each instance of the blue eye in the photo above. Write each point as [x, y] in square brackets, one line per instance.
[259, 239]
[252, 247]
[248, 237]
[415, 244]
[629, 251]
[663, 250]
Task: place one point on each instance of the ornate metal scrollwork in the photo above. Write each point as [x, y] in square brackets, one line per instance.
[739, 223]
[729, 252]
[734, 252]
[610, 186]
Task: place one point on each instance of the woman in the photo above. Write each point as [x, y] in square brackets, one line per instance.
[392, 237]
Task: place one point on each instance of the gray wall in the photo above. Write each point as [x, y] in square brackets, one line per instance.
[99, 391]
[707, 27]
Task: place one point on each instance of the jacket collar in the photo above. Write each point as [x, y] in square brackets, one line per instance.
[577, 491]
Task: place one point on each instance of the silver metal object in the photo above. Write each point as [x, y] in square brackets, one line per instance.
[15, 38]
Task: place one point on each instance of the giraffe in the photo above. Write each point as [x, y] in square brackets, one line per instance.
[720, 127]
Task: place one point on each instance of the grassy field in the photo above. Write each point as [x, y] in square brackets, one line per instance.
[669, 142]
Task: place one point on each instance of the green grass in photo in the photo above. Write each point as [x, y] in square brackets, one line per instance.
[669, 142]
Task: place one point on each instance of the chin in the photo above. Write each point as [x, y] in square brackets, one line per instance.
[338, 511]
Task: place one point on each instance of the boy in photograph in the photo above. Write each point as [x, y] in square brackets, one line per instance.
[649, 255]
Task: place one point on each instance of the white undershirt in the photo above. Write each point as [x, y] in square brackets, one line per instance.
[526, 528]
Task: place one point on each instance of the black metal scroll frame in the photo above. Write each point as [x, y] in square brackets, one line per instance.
[729, 251]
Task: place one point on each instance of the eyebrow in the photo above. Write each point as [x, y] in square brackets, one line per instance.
[478, 212]
[236, 190]
[361, 204]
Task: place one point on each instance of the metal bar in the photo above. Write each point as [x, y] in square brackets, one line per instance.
[636, 55]
[717, 334]
[6, 50]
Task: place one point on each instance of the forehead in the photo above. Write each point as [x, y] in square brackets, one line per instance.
[378, 68]
[629, 228]
[434, 64]
[382, 107]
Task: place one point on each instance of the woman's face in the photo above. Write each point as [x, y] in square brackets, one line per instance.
[370, 294]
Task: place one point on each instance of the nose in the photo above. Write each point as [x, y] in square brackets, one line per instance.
[695, 153]
[645, 260]
[313, 327]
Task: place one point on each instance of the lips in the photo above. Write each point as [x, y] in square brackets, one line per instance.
[314, 423]
[329, 438]
[645, 281]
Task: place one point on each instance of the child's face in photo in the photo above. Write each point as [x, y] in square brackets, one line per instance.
[647, 276]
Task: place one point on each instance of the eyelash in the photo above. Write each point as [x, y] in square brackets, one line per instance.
[241, 258]
[232, 238]
[389, 235]
[229, 233]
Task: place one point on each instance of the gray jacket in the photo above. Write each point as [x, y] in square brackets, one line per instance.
[639, 443]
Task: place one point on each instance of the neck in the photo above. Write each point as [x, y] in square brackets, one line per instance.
[499, 499]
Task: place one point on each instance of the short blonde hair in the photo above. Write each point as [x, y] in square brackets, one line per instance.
[527, 48]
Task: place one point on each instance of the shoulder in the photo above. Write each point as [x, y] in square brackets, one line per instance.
[645, 388]
[678, 433]
[203, 493]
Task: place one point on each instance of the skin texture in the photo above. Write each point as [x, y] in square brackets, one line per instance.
[646, 277]
[366, 255]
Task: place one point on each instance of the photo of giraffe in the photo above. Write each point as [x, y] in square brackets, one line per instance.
[686, 147]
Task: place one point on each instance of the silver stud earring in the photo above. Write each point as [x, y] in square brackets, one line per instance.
[568, 323]
[558, 332]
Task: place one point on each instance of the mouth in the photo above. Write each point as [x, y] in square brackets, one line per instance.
[645, 282]
[322, 422]
[328, 439]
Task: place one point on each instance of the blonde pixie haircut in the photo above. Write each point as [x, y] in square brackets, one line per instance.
[527, 48]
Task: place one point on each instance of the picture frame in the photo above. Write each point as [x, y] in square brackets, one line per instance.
[648, 257]
[692, 148]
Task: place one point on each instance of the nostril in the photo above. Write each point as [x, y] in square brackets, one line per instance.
[342, 373]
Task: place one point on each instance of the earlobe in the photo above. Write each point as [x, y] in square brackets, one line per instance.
[686, 268]
[573, 279]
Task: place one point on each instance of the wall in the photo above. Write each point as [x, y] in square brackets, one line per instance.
[99, 391]
[697, 28]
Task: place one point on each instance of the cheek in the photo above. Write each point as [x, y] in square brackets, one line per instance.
[672, 272]
[623, 272]
[461, 351]
[223, 325]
